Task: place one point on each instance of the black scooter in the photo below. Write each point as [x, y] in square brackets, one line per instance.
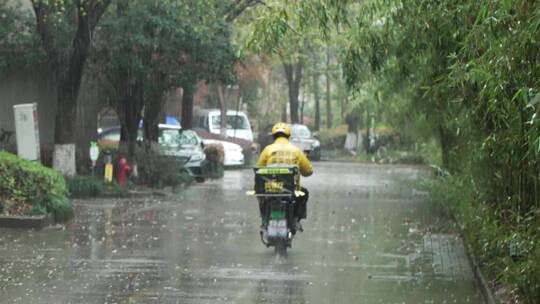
[277, 188]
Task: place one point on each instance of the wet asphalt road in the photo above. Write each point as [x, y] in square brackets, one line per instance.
[370, 238]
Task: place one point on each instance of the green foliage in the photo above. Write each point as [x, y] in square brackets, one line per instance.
[19, 42]
[170, 44]
[291, 31]
[85, 186]
[280, 23]
[450, 60]
[464, 73]
[175, 42]
[29, 182]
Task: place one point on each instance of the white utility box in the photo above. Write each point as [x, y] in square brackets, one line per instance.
[27, 131]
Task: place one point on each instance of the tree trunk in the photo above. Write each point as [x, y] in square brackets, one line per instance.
[353, 121]
[152, 117]
[352, 139]
[302, 104]
[154, 101]
[130, 126]
[316, 96]
[129, 113]
[344, 102]
[223, 111]
[66, 114]
[329, 116]
[367, 140]
[297, 82]
[284, 113]
[446, 140]
[187, 107]
[69, 71]
[293, 73]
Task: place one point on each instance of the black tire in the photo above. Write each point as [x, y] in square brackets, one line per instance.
[199, 179]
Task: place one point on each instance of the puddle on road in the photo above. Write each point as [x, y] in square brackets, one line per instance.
[368, 239]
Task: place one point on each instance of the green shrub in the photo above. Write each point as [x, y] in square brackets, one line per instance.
[29, 182]
[85, 186]
[57, 205]
[333, 138]
[213, 166]
[159, 171]
[214, 153]
[25, 181]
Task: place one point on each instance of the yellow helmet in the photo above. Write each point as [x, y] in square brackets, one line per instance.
[281, 127]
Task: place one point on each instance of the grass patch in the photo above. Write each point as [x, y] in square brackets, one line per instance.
[85, 186]
[92, 186]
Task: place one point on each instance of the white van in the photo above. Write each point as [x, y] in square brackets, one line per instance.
[237, 123]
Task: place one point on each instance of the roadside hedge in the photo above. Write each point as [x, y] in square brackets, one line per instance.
[28, 182]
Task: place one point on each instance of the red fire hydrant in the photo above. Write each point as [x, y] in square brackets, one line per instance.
[123, 169]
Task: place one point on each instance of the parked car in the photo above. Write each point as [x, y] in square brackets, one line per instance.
[109, 137]
[238, 125]
[233, 152]
[184, 145]
[301, 137]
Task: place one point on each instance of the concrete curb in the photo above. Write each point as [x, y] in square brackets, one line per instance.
[26, 222]
[485, 288]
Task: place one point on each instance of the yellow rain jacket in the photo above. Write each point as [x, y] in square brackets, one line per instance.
[281, 152]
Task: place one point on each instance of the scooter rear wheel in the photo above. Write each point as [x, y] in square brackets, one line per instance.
[281, 247]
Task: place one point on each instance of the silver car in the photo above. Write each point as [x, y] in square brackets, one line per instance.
[184, 145]
[302, 137]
